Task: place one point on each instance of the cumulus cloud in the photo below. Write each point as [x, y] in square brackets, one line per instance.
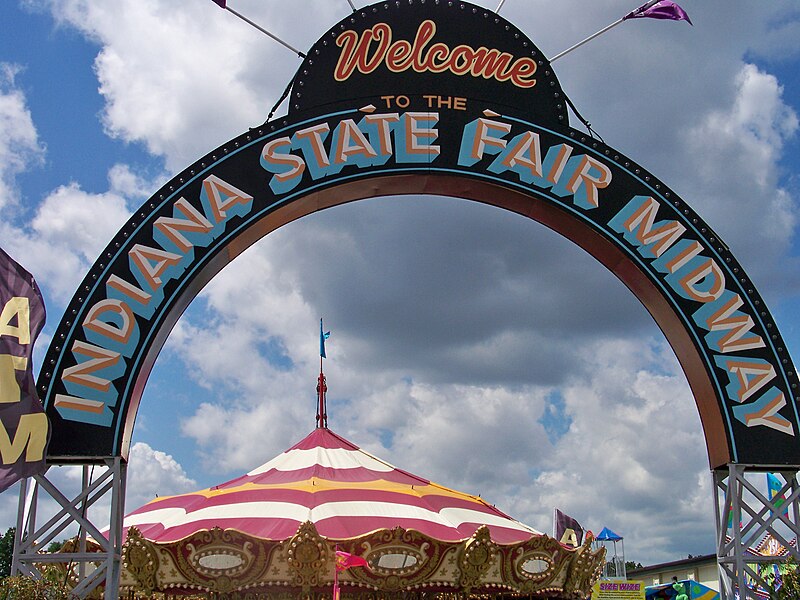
[744, 141]
[150, 473]
[20, 147]
[66, 234]
[154, 473]
[183, 81]
[247, 347]
[484, 438]
[632, 458]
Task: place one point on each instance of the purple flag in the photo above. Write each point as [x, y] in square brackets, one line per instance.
[567, 530]
[24, 429]
[660, 10]
[221, 3]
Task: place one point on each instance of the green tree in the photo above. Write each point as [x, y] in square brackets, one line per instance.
[54, 546]
[788, 586]
[630, 565]
[27, 588]
[7, 551]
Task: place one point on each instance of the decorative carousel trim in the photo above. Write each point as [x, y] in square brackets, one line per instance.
[307, 553]
[475, 558]
[401, 562]
[188, 554]
[140, 559]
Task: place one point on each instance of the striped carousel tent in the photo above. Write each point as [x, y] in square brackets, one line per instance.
[294, 526]
[343, 490]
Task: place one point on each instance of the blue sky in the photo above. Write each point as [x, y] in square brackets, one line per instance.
[468, 345]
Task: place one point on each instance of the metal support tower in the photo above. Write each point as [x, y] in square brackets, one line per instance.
[91, 568]
[744, 515]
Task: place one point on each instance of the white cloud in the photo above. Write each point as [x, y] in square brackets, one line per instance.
[737, 174]
[477, 439]
[66, 235]
[150, 472]
[250, 323]
[124, 181]
[184, 79]
[71, 227]
[633, 458]
[154, 473]
[20, 147]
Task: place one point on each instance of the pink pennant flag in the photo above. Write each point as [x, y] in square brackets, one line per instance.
[660, 10]
[345, 560]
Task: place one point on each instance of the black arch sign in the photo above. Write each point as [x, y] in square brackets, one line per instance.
[423, 98]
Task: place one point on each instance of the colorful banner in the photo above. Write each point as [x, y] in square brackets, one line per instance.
[618, 590]
[25, 430]
[774, 486]
[345, 560]
[567, 530]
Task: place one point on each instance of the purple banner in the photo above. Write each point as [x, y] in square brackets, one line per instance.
[660, 10]
[567, 530]
[24, 429]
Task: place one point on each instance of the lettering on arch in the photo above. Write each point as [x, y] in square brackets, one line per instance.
[401, 98]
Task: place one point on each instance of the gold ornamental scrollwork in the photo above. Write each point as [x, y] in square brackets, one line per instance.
[308, 557]
[587, 567]
[245, 559]
[235, 566]
[475, 558]
[428, 553]
[140, 559]
[556, 557]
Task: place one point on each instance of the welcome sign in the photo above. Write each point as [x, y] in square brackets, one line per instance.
[423, 97]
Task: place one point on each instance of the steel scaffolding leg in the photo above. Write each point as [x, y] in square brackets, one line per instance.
[744, 516]
[93, 568]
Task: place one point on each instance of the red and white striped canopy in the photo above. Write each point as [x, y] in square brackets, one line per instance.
[343, 490]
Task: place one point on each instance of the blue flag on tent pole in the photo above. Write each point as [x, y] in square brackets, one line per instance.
[323, 335]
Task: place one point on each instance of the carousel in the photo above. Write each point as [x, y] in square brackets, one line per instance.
[327, 519]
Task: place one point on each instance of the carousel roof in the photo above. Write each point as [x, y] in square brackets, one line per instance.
[277, 532]
[328, 481]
